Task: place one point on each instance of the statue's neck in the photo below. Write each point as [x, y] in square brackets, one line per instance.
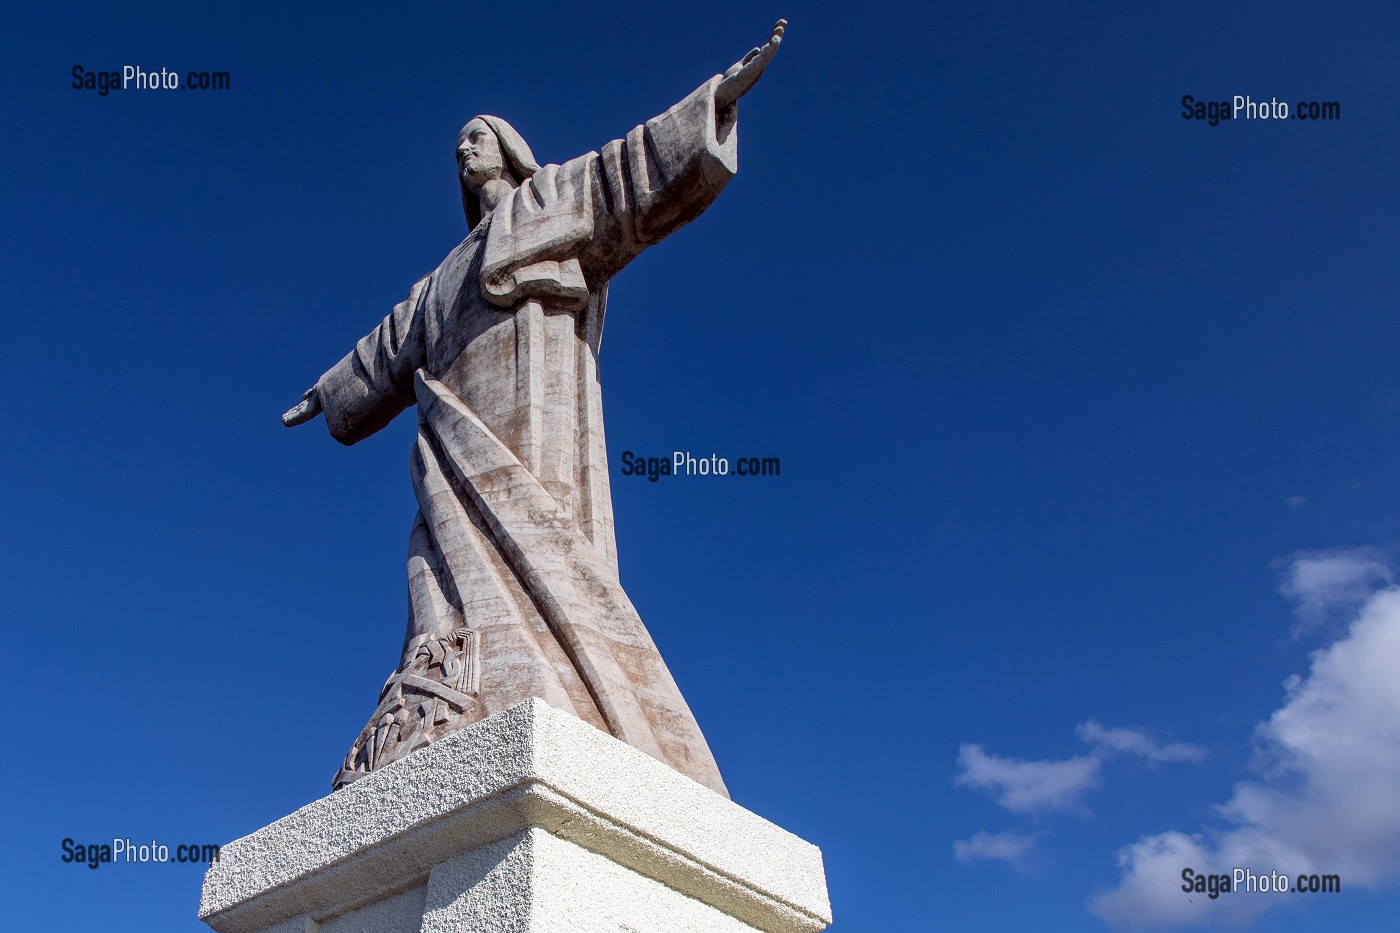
[493, 193]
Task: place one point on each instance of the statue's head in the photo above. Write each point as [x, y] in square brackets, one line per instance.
[489, 148]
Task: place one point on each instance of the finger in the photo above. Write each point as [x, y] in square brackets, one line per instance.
[752, 54]
[778, 29]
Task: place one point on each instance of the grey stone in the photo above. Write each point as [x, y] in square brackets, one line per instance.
[529, 820]
[512, 566]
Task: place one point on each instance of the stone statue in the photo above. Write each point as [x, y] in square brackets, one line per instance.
[512, 565]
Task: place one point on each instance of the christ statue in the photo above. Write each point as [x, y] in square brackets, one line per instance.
[512, 563]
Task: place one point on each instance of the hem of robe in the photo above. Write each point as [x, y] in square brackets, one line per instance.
[580, 600]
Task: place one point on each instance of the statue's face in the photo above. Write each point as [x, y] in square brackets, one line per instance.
[479, 156]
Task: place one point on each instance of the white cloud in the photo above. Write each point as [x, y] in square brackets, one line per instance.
[1323, 584]
[1027, 786]
[1013, 848]
[1327, 798]
[1107, 741]
[1149, 896]
[1023, 786]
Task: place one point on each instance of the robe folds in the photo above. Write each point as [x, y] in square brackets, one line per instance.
[512, 562]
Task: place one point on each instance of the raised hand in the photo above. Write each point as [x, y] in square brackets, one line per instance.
[744, 73]
[309, 408]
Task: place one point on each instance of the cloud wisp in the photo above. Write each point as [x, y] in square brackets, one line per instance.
[1107, 742]
[1027, 786]
[1327, 586]
[1326, 796]
[1015, 849]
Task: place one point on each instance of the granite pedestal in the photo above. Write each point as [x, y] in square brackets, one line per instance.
[526, 822]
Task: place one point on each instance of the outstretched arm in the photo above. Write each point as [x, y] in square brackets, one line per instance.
[666, 172]
[374, 382]
[309, 408]
[745, 73]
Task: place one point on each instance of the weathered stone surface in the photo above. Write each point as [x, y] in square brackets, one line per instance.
[512, 568]
[529, 820]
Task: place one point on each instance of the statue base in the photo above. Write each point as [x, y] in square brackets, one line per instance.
[528, 821]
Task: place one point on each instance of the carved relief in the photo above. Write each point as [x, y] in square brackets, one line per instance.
[420, 703]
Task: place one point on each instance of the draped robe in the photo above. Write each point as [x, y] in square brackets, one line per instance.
[512, 564]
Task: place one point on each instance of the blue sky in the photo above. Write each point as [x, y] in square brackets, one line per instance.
[1080, 569]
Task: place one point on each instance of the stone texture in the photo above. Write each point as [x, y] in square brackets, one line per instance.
[529, 820]
[512, 568]
[571, 889]
[398, 913]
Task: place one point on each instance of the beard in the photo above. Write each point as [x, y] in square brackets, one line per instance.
[476, 171]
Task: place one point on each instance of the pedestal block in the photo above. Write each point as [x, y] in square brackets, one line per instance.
[530, 821]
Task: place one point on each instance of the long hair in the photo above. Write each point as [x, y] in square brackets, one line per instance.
[520, 161]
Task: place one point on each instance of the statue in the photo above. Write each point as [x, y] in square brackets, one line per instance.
[512, 565]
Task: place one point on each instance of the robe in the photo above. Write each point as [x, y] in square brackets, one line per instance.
[512, 563]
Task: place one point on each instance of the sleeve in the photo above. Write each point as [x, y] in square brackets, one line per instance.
[663, 175]
[374, 382]
[572, 227]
